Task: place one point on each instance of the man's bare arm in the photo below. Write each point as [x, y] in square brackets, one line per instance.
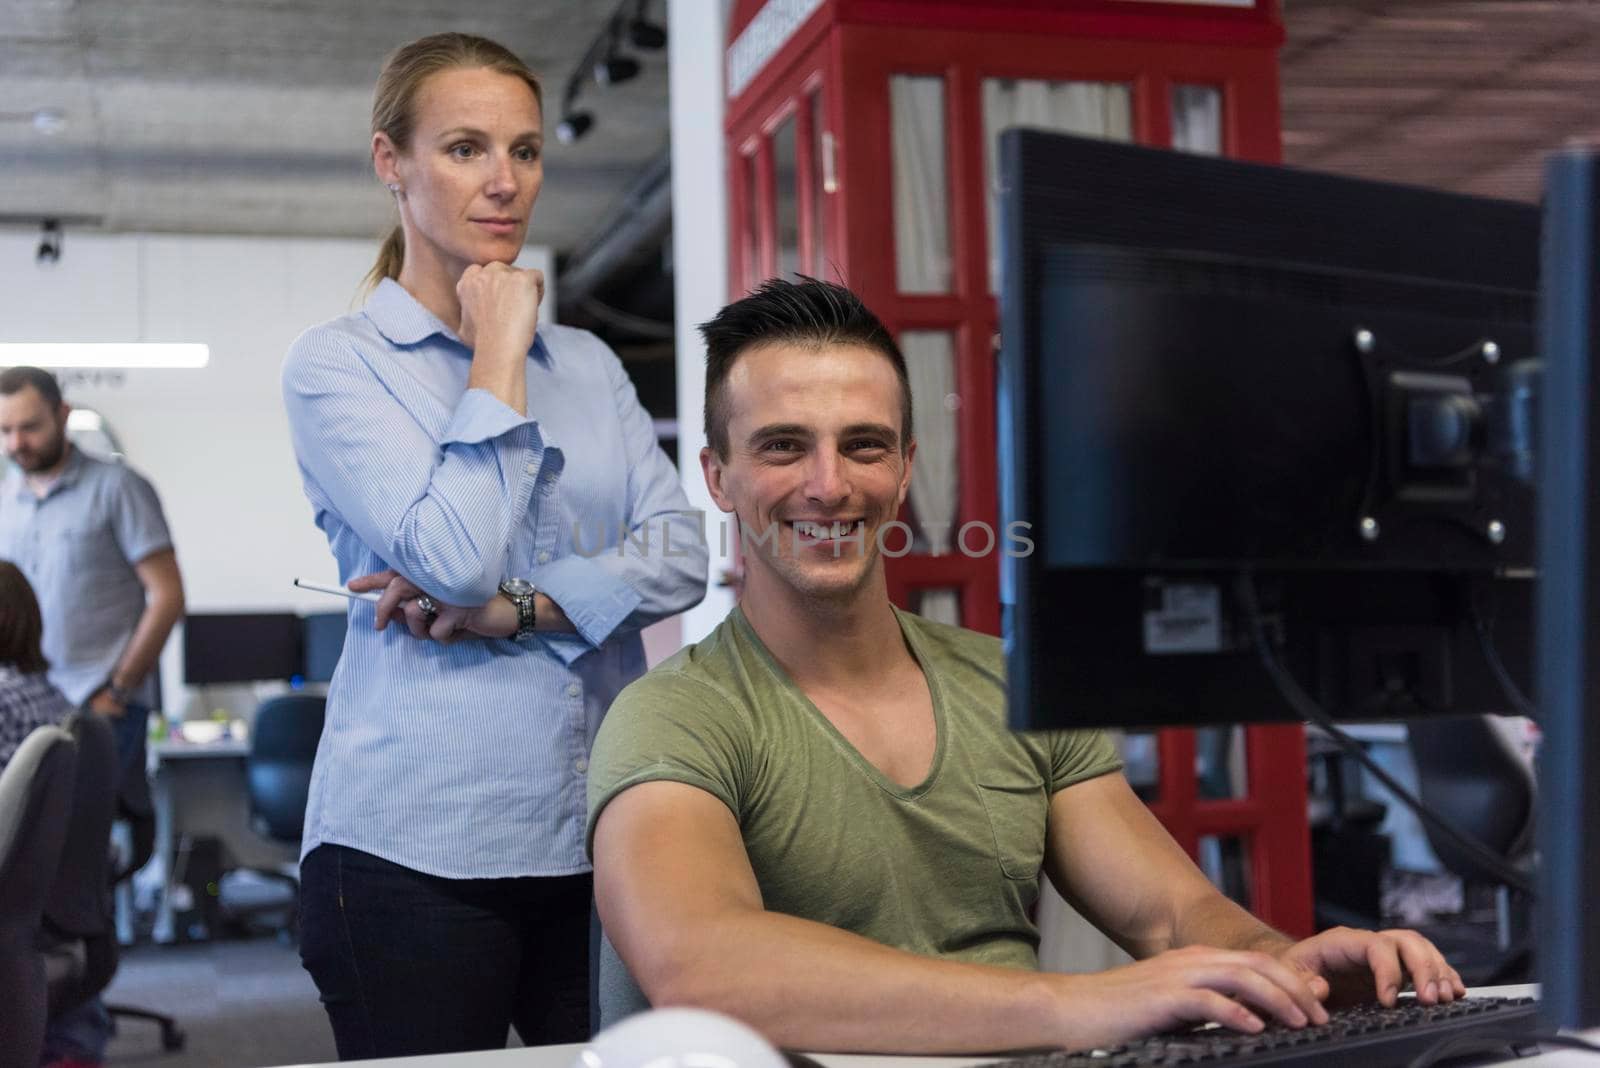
[681, 904]
[163, 607]
[1115, 862]
[1119, 867]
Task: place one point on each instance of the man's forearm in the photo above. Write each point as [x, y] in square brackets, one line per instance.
[161, 612]
[1217, 921]
[835, 990]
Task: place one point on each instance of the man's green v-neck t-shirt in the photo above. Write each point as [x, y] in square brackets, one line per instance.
[948, 868]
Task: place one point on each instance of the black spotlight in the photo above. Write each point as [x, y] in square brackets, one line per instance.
[647, 35]
[573, 126]
[49, 242]
[614, 70]
[644, 33]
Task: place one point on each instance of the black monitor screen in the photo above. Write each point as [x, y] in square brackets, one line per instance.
[1214, 372]
[253, 647]
[324, 642]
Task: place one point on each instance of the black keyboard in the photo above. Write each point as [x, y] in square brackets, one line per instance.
[1368, 1036]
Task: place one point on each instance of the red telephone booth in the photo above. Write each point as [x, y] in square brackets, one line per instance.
[861, 141]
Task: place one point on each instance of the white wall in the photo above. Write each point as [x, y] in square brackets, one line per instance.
[213, 441]
[700, 266]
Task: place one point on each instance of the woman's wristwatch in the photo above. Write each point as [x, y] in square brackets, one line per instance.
[520, 593]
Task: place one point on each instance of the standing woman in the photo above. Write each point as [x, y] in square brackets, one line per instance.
[452, 454]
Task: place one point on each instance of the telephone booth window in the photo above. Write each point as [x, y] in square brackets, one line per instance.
[750, 232]
[786, 197]
[1089, 109]
[921, 186]
[1197, 119]
[935, 478]
[822, 183]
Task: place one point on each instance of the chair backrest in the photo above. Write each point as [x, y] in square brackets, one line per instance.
[1468, 771]
[77, 912]
[78, 903]
[35, 806]
[283, 746]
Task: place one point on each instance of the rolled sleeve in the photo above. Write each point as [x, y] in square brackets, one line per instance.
[480, 417]
[593, 598]
[442, 513]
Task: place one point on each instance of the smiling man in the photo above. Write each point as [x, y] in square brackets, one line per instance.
[816, 820]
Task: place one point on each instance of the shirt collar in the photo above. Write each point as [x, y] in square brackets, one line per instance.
[402, 319]
[17, 480]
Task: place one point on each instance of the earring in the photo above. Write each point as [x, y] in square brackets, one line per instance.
[394, 187]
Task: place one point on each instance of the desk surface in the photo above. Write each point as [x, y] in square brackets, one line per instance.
[175, 749]
[565, 1056]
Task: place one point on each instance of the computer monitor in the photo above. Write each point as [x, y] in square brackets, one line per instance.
[1214, 371]
[240, 647]
[323, 643]
[1247, 406]
[1569, 595]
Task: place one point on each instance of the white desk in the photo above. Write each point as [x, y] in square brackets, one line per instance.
[199, 788]
[564, 1056]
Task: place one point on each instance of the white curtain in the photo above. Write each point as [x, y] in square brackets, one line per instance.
[1197, 119]
[931, 365]
[1091, 109]
[921, 192]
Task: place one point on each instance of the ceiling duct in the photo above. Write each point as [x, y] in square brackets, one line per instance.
[634, 236]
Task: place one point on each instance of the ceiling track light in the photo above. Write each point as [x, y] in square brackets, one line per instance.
[49, 250]
[605, 65]
[642, 33]
[573, 126]
[614, 70]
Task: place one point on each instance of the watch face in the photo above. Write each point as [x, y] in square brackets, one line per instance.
[517, 587]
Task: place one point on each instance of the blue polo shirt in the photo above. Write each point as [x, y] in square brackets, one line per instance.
[78, 545]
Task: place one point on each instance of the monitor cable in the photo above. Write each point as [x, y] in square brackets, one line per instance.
[1307, 708]
[1485, 632]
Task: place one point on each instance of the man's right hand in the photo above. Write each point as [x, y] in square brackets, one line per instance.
[1184, 987]
[500, 308]
[104, 703]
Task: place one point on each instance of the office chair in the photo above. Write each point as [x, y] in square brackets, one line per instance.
[1469, 772]
[81, 953]
[283, 746]
[134, 808]
[35, 805]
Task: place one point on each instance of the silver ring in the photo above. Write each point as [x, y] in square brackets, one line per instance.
[429, 607]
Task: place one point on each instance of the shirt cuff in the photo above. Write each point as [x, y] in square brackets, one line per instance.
[479, 417]
[565, 647]
[594, 599]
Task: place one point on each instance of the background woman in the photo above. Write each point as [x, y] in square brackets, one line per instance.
[450, 451]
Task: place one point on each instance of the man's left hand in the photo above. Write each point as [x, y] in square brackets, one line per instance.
[1350, 966]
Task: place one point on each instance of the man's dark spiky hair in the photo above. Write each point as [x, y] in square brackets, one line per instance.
[805, 312]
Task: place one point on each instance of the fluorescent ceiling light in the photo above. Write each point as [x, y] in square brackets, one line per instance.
[112, 354]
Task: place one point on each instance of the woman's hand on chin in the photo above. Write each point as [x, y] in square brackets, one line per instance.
[499, 307]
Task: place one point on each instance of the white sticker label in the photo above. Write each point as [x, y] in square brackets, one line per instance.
[1187, 619]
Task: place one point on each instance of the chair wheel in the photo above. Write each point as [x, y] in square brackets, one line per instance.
[173, 1039]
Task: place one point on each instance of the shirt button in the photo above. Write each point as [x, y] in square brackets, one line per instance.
[532, 469]
[573, 689]
[543, 557]
[582, 764]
